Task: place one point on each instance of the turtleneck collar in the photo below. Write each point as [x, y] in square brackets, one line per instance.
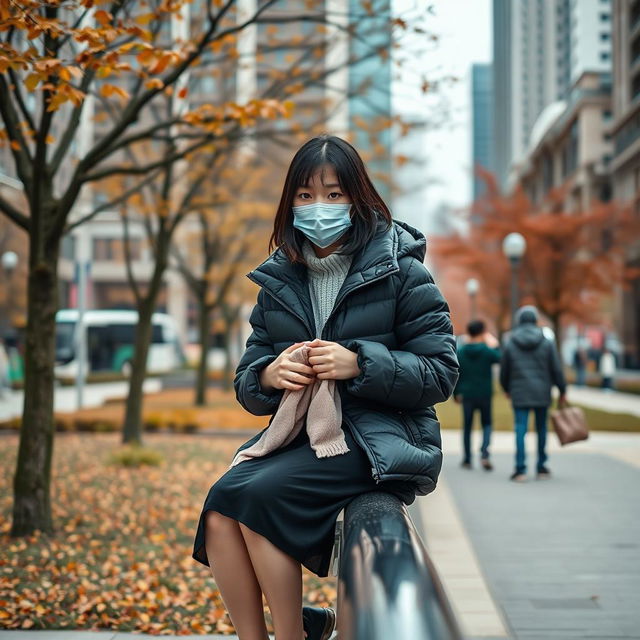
[329, 264]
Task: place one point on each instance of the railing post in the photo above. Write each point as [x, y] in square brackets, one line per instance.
[388, 588]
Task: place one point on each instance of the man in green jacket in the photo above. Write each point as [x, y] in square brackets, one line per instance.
[475, 387]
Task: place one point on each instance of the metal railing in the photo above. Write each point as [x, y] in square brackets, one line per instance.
[388, 588]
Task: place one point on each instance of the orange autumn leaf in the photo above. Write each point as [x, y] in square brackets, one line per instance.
[108, 90]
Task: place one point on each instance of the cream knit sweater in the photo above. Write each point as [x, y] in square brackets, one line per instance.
[326, 276]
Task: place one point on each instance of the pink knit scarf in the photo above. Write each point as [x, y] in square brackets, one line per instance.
[320, 402]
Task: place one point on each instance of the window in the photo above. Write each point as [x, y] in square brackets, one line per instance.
[112, 249]
[605, 56]
[605, 17]
[605, 37]
[68, 247]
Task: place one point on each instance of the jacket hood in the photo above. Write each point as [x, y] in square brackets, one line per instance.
[411, 242]
[527, 336]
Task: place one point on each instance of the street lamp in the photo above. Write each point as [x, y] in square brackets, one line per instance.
[9, 261]
[472, 289]
[514, 246]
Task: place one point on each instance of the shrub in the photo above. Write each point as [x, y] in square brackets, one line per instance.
[133, 455]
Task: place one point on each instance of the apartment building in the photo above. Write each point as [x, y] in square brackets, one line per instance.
[541, 49]
[625, 163]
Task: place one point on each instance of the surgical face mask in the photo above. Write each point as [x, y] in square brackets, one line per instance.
[321, 222]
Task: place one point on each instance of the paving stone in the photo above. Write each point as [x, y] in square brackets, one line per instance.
[560, 556]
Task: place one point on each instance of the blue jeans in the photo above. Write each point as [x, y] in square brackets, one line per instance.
[521, 426]
[469, 407]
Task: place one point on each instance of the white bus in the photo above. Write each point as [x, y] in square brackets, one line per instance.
[110, 336]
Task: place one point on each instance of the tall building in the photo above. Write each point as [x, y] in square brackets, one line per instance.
[625, 164]
[482, 122]
[369, 101]
[541, 48]
[570, 146]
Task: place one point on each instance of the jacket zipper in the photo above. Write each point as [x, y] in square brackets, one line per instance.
[350, 291]
[375, 471]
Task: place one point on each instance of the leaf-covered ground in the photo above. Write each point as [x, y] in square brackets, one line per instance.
[120, 556]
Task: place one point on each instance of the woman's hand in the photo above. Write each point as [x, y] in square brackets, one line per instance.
[282, 373]
[332, 361]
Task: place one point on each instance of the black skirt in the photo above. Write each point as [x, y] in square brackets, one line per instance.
[290, 497]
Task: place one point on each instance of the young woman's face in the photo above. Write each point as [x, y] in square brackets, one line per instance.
[323, 186]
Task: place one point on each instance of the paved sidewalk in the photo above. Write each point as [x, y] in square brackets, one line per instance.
[560, 557]
[611, 401]
[439, 524]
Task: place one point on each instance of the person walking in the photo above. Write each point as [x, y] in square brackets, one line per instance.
[346, 303]
[607, 369]
[530, 366]
[580, 361]
[474, 389]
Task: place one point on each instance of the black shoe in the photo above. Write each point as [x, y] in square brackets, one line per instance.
[518, 476]
[486, 464]
[543, 473]
[318, 622]
[465, 465]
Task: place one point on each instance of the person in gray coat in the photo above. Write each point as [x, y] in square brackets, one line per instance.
[530, 366]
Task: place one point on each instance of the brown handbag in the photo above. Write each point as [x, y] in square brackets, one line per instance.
[570, 424]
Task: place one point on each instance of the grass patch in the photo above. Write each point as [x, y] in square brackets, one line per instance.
[450, 416]
[135, 456]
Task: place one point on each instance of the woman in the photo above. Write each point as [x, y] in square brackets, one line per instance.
[348, 275]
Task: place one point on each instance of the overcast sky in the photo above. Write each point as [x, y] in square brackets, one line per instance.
[464, 29]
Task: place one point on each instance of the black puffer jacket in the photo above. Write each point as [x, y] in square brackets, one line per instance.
[530, 366]
[392, 314]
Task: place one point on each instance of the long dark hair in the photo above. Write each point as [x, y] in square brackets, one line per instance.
[367, 205]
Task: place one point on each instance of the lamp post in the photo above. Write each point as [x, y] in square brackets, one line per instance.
[9, 264]
[513, 246]
[472, 289]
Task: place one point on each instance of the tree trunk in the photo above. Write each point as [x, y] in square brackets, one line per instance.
[31, 482]
[204, 324]
[132, 431]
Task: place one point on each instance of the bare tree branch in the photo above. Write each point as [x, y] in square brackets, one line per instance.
[17, 92]
[14, 214]
[102, 149]
[21, 155]
[127, 257]
[123, 197]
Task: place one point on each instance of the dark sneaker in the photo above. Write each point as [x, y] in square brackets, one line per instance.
[486, 464]
[465, 465]
[318, 622]
[517, 476]
[543, 473]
